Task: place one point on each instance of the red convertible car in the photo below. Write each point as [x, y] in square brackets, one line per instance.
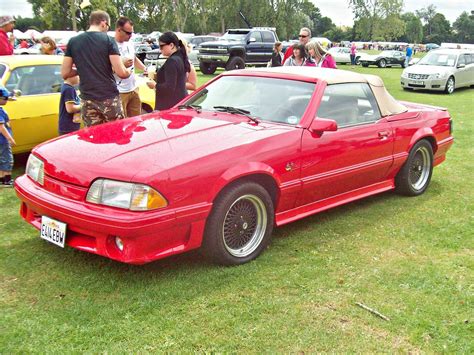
[250, 150]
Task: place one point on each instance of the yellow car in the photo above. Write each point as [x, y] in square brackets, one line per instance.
[34, 115]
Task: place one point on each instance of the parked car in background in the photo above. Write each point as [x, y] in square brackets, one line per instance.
[238, 48]
[35, 49]
[343, 55]
[195, 42]
[441, 70]
[34, 115]
[141, 50]
[251, 150]
[431, 46]
[384, 59]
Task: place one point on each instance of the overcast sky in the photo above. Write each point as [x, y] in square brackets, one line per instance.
[337, 10]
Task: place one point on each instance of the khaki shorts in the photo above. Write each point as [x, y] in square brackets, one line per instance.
[96, 112]
[131, 103]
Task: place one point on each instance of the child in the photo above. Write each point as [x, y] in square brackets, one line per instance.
[6, 142]
[69, 107]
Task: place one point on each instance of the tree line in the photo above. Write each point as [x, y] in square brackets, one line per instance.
[374, 20]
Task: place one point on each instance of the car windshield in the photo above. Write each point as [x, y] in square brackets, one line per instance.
[441, 59]
[268, 99]
[234, 36]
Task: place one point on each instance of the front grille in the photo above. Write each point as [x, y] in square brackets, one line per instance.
[212, 50]
[418, 76]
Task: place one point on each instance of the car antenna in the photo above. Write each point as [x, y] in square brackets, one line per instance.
[245, 19]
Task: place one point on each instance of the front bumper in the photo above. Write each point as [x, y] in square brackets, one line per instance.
[146, 236]
[425, 84]
[212, 58]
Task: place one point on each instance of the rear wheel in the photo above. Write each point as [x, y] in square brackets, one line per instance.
[365, 65]
[235, 63]
[207, 68]
[382, 63]
[450, 85]
[415, 175]
[240, 225]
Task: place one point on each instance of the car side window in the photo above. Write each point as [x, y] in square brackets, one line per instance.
[257, 35]
[267, 37]
[349, 104]
[2, 69]
[36, 80]
[462, 59]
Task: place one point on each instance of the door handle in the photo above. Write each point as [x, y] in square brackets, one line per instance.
[384, 134]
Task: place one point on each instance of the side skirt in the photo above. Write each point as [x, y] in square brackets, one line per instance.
[319, 206]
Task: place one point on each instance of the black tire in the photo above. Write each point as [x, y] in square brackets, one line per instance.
[365, 65]
[403, 65]
[235, 63]
[146, 109]
[415, 175]
[357, 60]
[450, 85]
[207, 68]
[240, 224]
[382, 63]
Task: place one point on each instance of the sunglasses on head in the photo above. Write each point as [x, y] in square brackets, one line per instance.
[126, 32]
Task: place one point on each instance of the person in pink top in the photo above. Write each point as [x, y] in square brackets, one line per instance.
[319, 56]
[353, 54]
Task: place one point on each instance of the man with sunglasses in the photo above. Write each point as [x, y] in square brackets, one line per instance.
[128, 88]
[304, 37]
[96, 57]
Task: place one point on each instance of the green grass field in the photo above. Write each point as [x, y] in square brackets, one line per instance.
[411, 259]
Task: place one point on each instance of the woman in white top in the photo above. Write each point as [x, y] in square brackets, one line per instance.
[298, 58]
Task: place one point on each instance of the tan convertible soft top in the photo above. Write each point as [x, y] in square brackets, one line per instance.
[387, 104]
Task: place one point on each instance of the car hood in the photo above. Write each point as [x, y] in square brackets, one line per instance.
[427, 69]
[131, 149]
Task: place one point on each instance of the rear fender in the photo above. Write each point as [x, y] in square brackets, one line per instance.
[424, 133]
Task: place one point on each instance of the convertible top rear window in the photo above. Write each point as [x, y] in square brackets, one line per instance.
[269, 99]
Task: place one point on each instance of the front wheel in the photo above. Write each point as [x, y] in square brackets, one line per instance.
[450, 85]
[415, 175]
[240, 225]
[207, 68]
[357, 60]
[235, 63]
[382, 63]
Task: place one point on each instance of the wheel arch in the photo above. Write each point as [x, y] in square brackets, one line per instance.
[146, 107]
[237, 52]
[260, 174]
[424, 133]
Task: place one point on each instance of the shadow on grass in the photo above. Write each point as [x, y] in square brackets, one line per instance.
[33, 253]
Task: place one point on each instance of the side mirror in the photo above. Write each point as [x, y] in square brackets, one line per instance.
[252, 40]
[460, 66]
[320, 125]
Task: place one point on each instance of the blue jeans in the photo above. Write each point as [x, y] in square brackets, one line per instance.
[6, 157]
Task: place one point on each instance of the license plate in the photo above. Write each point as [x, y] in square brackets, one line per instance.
[416, 82]
[53, 231]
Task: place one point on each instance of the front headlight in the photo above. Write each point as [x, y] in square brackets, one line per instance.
[404, 74]
[35, 169]
[134, 197]
[436, 76]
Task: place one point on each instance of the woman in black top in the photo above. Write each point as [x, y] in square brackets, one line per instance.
[171, 78]
[277, 55]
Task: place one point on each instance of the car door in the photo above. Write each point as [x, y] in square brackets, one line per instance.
[464, 74]
[255, 47]
[34, 115]
[357, 155]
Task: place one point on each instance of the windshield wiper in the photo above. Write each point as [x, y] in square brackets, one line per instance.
[236, 110]
[194, 107]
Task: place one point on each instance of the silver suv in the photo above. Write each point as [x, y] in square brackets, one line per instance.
[441, 70]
